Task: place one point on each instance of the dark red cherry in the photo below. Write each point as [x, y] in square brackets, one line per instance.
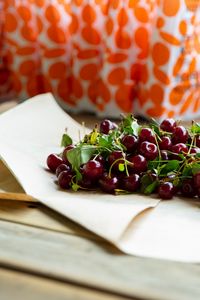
[195, 150]
[168, 125]
[107, 125]
[130, 142]
[61, 168]
[64, 179]
[196, 178]
[147, 134]
[164, 155]
[64, 154]
[187, 188]
[165, 143]
[139, 163]
[92, 169]
[149, 150]
[131, 183]
[114, 159]
[197, 141]
[180, 135]
[166, 190]
[53, 161]
[178, 148]
[108, 184]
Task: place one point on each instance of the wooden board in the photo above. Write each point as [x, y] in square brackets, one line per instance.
[97, 265]
[17, 285]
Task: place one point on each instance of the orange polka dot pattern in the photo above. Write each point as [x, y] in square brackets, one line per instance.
[104, 56]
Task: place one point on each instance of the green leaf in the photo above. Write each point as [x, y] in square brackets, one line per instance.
[153, 164]
[130, 125]
[195, 168]
[172, 165]
[187, 171]
[195, 128]
[146, 180]
[121, 167]
[155, 126]
[66, 140]
[151, 187]
[80, 155]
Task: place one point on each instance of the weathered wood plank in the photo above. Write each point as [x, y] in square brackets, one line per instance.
[38, 215]
[75, 259]
[18, 286]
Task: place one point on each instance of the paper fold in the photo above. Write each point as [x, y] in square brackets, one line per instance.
[33, 130]
[136, 224]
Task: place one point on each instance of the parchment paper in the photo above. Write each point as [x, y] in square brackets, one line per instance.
[136, 224]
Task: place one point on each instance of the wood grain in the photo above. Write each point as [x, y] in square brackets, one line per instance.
[38, 215]
[70, 258]
[19, 286]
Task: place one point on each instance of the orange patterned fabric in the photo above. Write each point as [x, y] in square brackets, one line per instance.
[104, 56]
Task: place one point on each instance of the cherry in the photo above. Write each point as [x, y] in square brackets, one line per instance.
[130, 142]
[165, 143]
[64, 179]
[131, 183]
[87, 183]
[187, 188]
[64, 154]
[61, 168]
[107, 125]
[195, 150]
[108, 184]
[93, 170]
[197, 140]
[139, 163]
[196, 178]
[113, 157]
[146, 134]
[164, 155]
[149, 150]
[168, 125]
[180, 135]
[166, 190]
[53, 161]
[178, 148]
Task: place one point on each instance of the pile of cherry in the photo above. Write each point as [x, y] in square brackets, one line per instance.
[155, 158]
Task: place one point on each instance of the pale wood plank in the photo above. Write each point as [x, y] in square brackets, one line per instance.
[82, 261]
[38, 215]
[18, 286]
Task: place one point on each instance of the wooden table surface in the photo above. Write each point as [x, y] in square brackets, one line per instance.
[46, 256]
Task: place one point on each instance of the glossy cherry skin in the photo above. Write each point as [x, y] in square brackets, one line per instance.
[53, 161]
[93, 170]
[130, 142]
[114, 159]
[108, 184]
[61, 168]
[64, 179]
[166, 190]
[64, 154]
[168, 125]
[196, 178]
[197, 141]
[178, 148]
[146, 134]
[107, 125]
[164, 155]
[131, 183]
[187, 188]
[139, 164]
[195, 150]
[149, 150]
[180, 135]
[165, 143]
